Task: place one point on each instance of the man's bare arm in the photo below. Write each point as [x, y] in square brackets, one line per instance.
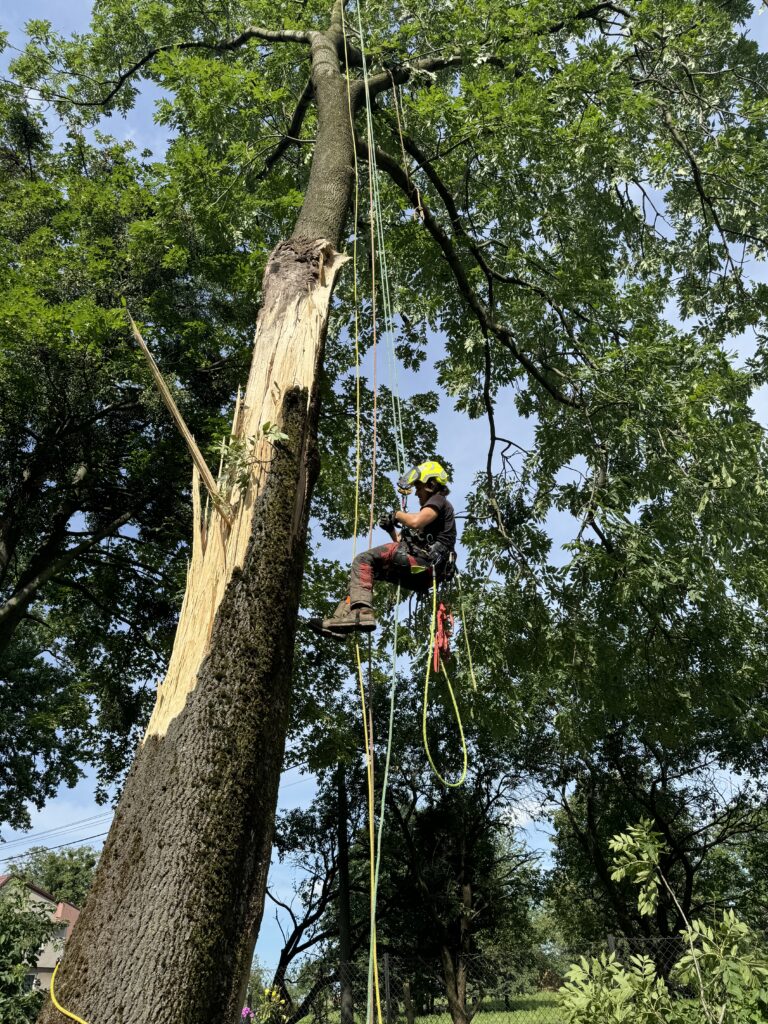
[417, 520]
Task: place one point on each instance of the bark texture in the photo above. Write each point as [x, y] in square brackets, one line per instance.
[169, 927]
[326, 203]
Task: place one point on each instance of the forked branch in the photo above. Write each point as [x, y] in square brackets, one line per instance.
[294, 128]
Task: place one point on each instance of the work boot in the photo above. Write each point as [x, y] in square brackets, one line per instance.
[320, 626]
[345, 620]
[359, 619]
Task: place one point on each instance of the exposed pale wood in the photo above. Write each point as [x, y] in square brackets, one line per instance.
[286, 349]
[197, 455]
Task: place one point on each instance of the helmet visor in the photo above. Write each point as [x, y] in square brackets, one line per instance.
[407, 480]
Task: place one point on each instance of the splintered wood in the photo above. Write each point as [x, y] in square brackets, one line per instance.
[287, 343]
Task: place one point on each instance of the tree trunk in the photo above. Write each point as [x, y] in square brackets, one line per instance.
[410, 1013]
[345, 913]
[455, 986]
[169, 927]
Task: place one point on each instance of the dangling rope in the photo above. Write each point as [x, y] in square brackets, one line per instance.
[377, 223]
[378, 254]
[55, 1001]
[373, 971]
[372, 213]
[462, 777]
[387, 760]
[375, 856]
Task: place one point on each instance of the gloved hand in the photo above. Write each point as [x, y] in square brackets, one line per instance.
[388, 522]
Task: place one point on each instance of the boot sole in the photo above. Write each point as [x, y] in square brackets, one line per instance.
[319, 630]
[344, 628]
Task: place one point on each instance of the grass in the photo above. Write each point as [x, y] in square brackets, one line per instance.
[536, 1008]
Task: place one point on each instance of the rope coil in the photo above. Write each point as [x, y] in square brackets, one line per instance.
[460, 781]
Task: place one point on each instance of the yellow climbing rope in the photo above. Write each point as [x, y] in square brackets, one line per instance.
[377, 235]
[57, 1004]
[367, 740]
[462, 777]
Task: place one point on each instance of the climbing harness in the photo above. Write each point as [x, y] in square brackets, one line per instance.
[55, 1001]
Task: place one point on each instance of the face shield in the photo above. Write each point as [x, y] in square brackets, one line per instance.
[407, 481]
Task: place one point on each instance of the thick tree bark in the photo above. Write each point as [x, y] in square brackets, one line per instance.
[455, 986]
[169, 928]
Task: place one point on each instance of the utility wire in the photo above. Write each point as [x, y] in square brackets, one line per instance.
[75, 842]
[36, 838]
[57, 831]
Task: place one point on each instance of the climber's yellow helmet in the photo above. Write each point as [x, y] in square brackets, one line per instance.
[421, 474]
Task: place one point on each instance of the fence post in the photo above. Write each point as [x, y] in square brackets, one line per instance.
[611, 943]
[387, 991]
[410, 1013]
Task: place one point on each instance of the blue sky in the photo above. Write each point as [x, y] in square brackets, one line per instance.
[465, 442]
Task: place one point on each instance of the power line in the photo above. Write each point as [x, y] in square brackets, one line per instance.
[298, 782]
[35, 838]
[75, 842]
[57, 830]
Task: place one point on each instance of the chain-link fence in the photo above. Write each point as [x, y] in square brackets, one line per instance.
[514, 989]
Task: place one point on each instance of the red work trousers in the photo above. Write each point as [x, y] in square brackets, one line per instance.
[390, 562]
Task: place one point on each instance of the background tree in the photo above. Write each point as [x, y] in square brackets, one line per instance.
[66, 874]
[707, 820]
[454, 876]
[24, 929]
[94, 518]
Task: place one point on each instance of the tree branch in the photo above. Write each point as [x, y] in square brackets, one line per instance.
[698, 180]
[445, 243]
[292, 135]
[220, 46]
[590, 12]
[15, 607]
[474, 247]
[400, 75]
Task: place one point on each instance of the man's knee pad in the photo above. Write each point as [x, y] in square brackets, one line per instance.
[400, 557]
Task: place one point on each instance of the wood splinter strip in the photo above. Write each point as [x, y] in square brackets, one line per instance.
[197, 456]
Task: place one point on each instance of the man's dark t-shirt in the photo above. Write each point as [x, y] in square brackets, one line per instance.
[443, 529]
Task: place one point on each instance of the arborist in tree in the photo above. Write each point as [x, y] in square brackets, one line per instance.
[423, 550]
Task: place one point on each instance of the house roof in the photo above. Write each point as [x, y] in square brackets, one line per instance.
[68, 914]
[31, 885]
[59, 913]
